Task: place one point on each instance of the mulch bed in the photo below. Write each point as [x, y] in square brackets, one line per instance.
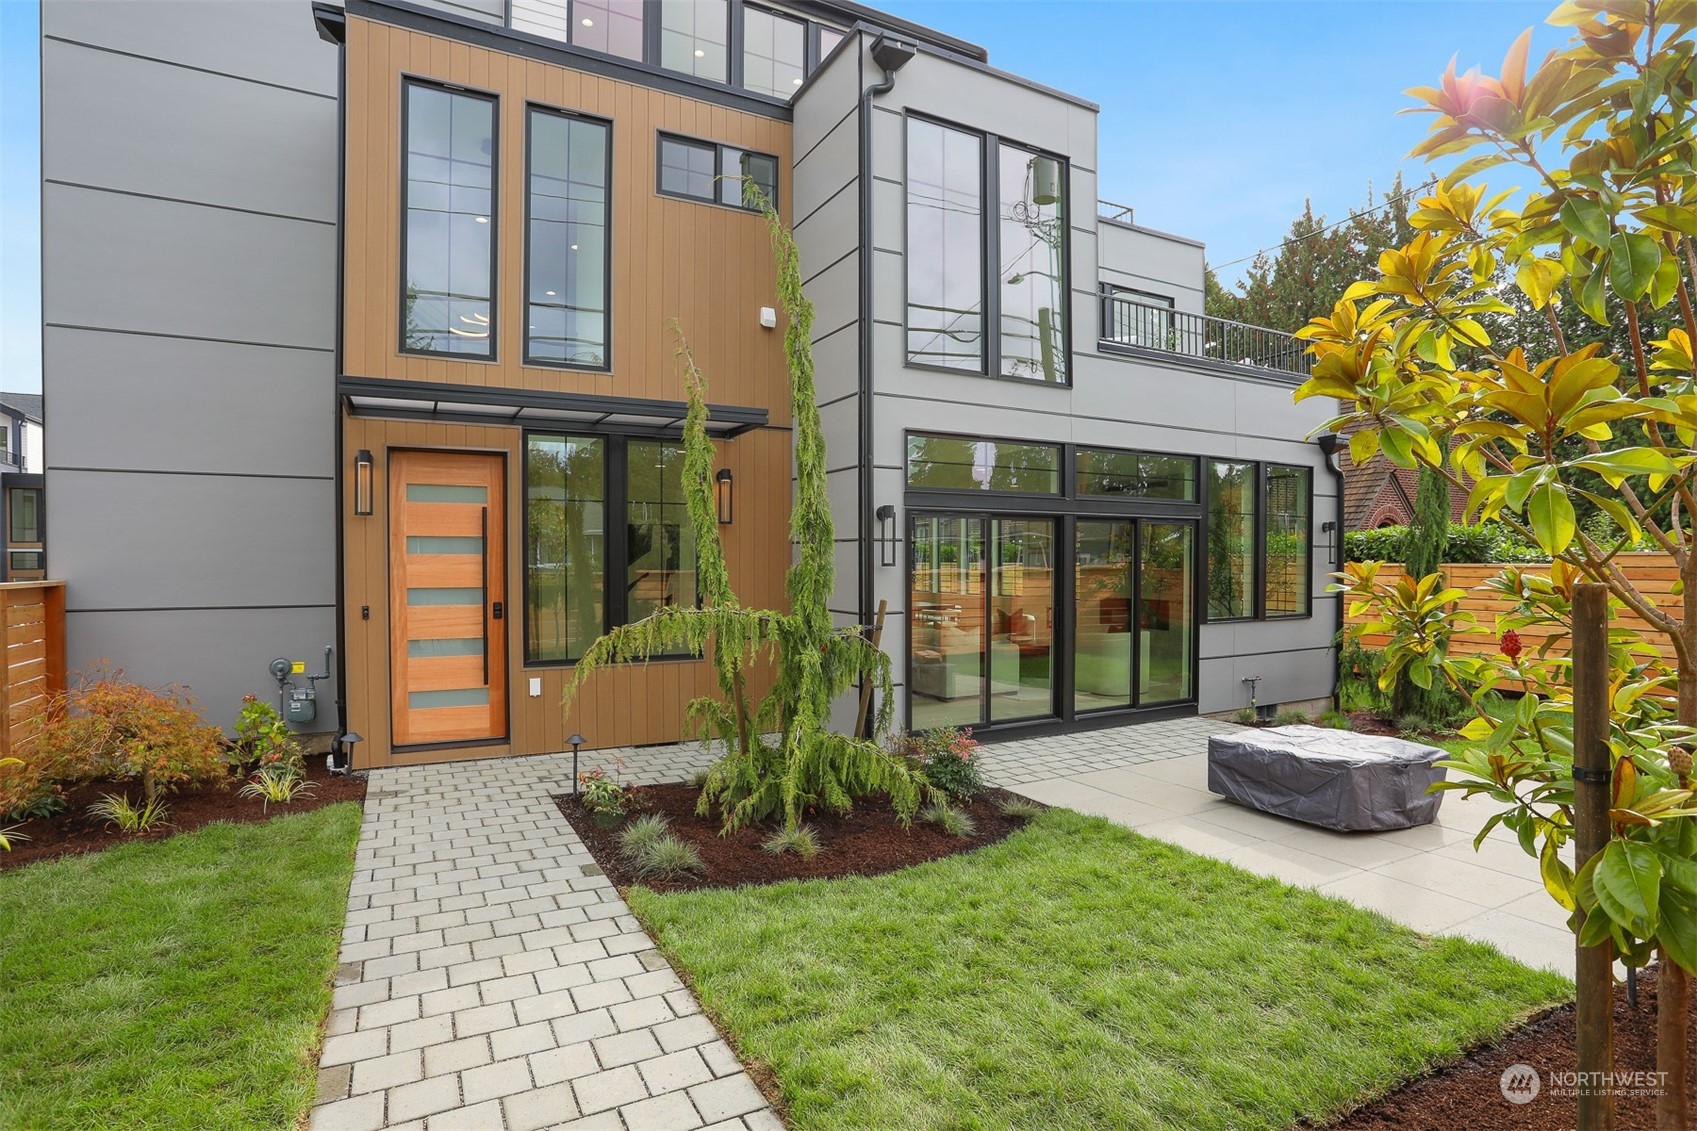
[73, 831]
[1468, 1094]
[868, 842]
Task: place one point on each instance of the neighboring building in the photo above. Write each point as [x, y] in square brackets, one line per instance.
[21, 511]
[20, 433]
[409, 290]
[1378, 493]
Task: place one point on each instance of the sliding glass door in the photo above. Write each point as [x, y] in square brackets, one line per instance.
[1133, 613]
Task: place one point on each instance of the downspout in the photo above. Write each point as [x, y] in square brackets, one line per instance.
[890, 55]
[1329, 449]
[333, 30]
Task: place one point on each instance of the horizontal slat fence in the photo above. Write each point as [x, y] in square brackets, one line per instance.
[1652, 574]
[34, 616]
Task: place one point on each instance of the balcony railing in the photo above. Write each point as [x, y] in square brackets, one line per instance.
[1128, 321]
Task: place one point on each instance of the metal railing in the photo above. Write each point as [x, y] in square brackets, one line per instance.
[1128, 321]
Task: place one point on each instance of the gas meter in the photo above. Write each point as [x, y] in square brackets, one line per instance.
[298, 705]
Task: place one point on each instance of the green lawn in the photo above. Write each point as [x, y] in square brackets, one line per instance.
[173, 985]
[1079, 976]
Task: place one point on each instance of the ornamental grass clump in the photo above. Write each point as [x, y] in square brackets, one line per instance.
[779, 758]
[955, 822]
[641, 834]
[801, 840]
[667, 858]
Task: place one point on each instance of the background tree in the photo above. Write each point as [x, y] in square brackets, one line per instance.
[1606, 127]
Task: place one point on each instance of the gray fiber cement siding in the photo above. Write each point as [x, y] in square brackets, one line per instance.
[188, 273]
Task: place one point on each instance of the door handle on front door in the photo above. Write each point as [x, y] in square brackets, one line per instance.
[496, 611]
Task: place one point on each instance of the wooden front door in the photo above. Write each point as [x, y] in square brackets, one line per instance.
[447, 597]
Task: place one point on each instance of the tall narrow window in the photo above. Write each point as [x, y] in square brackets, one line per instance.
[693, 38]
[566, 261]
[829, 37]
[565, 545]
[448, 276]
[1032, 287]
[1288, 506]
[659, 540]
[25, 514]
[613, 26]
[1231, 540]
[945, 249]
[774, 52]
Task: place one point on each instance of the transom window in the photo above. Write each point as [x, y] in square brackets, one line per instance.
[1135, 475]
[448, 260]
[693, 38]
[715, 173]
[956, 463]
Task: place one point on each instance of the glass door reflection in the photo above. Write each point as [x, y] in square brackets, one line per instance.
[1104, 552]
[947, 621]
[1165, 598]
[1022, 613]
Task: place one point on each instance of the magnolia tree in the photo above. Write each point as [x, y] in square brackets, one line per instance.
[1604, 129]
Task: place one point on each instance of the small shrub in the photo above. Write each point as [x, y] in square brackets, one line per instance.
[108, 727]
[1418, 724]
[1018, 808]
[264, 740]
[1290, 718]
[668, 858]
[948, 757]
[25, 792]
[276, 782]
[801, 840]
[953, 821]
[637, 836]
[117, 809]
[1246, 717]
[1337, 720]
[600, 794]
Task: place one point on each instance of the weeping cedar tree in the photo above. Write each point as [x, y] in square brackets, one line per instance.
[1423, 552]
[779, 755]
[1615, 215]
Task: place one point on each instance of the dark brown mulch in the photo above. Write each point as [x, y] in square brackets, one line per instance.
[1468, 1094]
[868, 842]
[1366, 722]
[73, 831]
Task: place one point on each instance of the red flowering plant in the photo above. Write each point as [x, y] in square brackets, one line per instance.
[264, 742]
[948, 758]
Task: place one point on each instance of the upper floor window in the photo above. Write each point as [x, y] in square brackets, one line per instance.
[951, 249]
[693, 38]
[829, 37]
[613, 26]
[1032, 289]
[774, 52]
[945, 246]
[448, 261]
[707, 171]
[567, 174]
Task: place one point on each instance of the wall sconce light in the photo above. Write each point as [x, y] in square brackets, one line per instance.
[886, 535]
[364, 468]
[1329, 528]
[723, 482]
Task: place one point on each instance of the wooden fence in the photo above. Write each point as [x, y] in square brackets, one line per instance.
[1653, 574]
[34, 615]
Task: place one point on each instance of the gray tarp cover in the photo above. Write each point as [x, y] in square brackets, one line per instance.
[1332, 778]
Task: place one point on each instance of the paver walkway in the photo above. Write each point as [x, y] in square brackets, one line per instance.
[492, 979]
[1427, 878]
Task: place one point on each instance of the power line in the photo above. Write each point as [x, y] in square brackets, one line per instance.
[1353, 217]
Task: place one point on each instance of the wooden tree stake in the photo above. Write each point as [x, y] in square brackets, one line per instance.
[1594, 973]
[866, 684]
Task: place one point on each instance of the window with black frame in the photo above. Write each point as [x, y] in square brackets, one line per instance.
[1289, 499]
[566, 261]
[695, 37]
[1032, 290]
[774, 52]
[945, 246]
[717, 174]
[448, 259]
[582, 575]
[1232, 551]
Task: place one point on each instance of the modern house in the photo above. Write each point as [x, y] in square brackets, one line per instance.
[402, 278]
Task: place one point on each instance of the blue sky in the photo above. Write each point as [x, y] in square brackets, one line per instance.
[1218, 116]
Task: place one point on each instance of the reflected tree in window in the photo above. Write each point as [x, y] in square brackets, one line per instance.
[1231, 540]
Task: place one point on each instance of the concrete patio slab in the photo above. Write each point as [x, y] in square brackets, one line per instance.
[1152, 777]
